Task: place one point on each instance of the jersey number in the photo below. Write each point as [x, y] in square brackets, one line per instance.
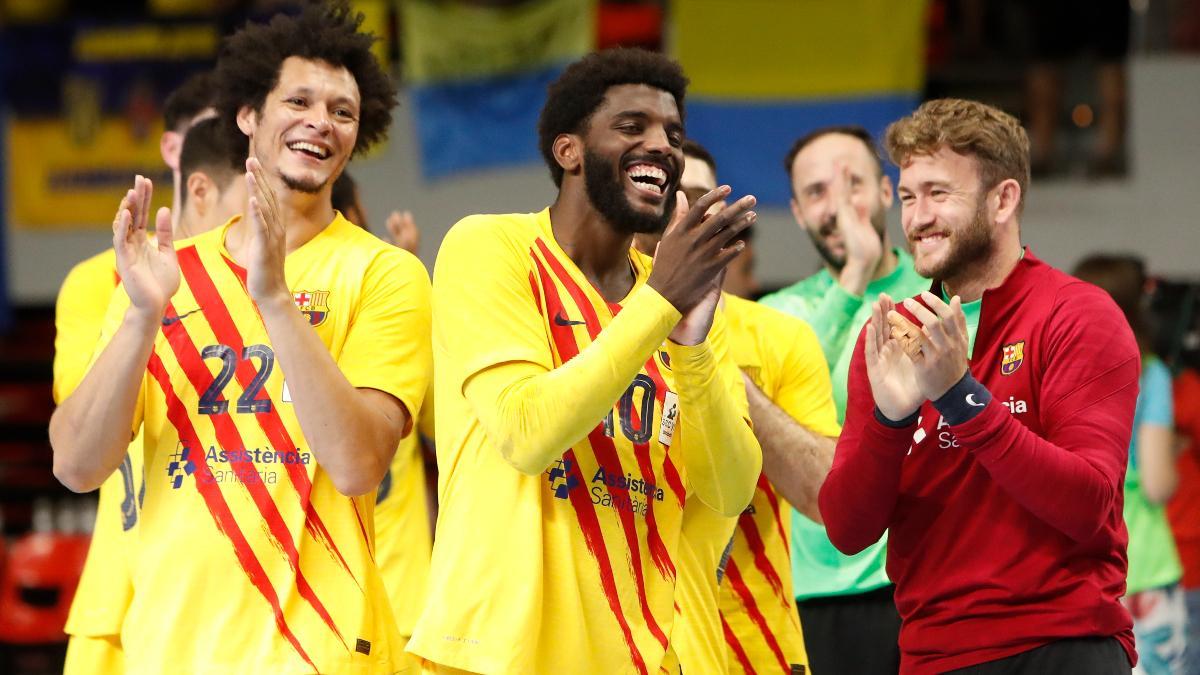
[637, 430]
[211, 402]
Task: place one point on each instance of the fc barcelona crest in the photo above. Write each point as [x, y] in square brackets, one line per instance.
[313, 304]
[1011, 358]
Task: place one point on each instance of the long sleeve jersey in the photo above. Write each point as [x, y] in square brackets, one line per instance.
[1005, 530]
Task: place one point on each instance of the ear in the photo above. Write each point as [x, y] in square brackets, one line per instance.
[199, 186]
[1005, 199]
[169, 146]
[247, 120]
[568, 152]
[887, 193]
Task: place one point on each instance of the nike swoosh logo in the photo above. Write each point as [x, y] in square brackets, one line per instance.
[971, 401]
[171, 320]
[562, 320]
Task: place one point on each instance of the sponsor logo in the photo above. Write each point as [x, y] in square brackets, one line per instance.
[314, 305]
[562, 320]
[972, 402]
[608, 489]
[181, 464]
[172, 320]
[1012, 357]
[244, 465]
[561, 479]
[947, 440]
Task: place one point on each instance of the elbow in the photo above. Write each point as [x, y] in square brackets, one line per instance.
[357, 478]
[74, 477]
[842, 533]
[1159, 492]
[522, 453]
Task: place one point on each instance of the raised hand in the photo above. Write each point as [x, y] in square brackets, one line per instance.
[148, 269]
[943, 337]
[889, 369]
[403, 230]
[693, 252]
[864, 247]
[268, 241]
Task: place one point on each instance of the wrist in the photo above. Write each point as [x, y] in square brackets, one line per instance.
[963, 401]
[854, 277]
[144, 320]
[896, 423]
[276, 301]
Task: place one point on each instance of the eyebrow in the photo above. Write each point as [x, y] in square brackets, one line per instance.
[307, 91]
[640, 115]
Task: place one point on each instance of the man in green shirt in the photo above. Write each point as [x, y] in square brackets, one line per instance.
[840, 198]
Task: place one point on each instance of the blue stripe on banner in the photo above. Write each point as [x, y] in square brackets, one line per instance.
[750, 140]
[479, 124]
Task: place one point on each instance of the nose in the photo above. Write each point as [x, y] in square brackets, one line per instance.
[916, 213]
[319, 119]
[656, 140]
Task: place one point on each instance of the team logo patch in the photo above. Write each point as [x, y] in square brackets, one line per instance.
[1011, 358]
[314, 305]
[181, 465]
[560, 478]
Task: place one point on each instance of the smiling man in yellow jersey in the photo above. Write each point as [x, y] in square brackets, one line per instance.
[256, 539]
[787, 383]
[586, 402]
[214, 191]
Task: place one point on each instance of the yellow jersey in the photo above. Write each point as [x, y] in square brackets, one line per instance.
[571, 570]
[403, 542]
[782, 356]
[249, 558]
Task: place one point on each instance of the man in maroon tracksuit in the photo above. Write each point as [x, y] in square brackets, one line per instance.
[989, 434]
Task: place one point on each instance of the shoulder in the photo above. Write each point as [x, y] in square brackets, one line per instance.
[798, 293]
[492, 227]
[103, 265]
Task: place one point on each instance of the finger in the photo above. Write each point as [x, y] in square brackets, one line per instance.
[936, 304]
[922, 313]
[122, 210]
[886, 302]
[164, 236]
[733, 230]
[679, 215]
[960, 317]
[696, 211]
[726, 215]
[877, 318]
[143, 220]
[121, 228]
[872, 344]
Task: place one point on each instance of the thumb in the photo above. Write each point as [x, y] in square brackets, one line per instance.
[164, 235]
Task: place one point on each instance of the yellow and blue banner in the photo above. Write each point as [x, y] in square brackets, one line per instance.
[765, 72]
[478, 73]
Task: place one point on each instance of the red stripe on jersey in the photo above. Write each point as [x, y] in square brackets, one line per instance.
[735, 645]
[606, 450]
[192, 365]
[669, 470]
[537, 294]
[734, 576]
[226, 331]
[362, 527]
[589, 524]
[658, 549]
[749, 530]
[773, 500]
[218, 509]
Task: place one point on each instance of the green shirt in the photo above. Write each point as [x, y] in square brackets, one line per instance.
[837, 317]
[1153, 560]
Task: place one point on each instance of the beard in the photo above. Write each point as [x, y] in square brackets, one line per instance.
[972, 245]
[835, 261]
[309, 187]
[606, 191]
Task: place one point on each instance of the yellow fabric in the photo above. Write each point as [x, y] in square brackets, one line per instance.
[864, 47]
[403, 541]
[698, 639]
[105, 587]
[568, 566]
[234, 495]
[94, 656]
[783, 358]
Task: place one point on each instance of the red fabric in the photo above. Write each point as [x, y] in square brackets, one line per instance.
[1183, 511]
[1005, 532]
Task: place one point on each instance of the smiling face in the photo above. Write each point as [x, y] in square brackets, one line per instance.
[813, 204]
[943, 208]
[632, 157]
[308, 124]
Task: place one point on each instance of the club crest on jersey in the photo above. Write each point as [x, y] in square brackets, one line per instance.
[314, 305]
[1011, 357]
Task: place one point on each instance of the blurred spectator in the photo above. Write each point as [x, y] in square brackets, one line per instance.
[1153, 592]
[1061, 31]
[1183, 511]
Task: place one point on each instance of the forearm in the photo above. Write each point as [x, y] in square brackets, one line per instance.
[531, 415]
[1066, 489]
[722, 456]
[91, 429]
[859, 494]
[795, 459]
[351, 435]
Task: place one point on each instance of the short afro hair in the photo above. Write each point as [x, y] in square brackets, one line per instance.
[251, 59]
[580, 90]
[207, 148]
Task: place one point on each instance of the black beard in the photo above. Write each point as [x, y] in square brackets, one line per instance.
[878, 221]
[302, 186]
[606, 190]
